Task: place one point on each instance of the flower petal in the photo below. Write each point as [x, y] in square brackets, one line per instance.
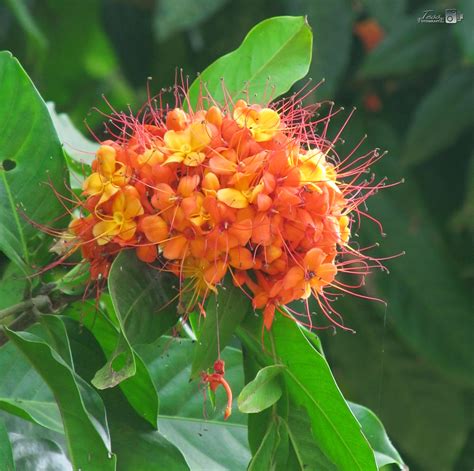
[233, 198]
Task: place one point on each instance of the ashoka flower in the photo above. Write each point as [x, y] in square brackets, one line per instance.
[244, 190]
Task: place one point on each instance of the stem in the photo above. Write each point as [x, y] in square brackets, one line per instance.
[39, 302]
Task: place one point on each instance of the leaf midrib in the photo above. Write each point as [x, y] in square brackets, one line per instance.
[271, 59]
[336, 431]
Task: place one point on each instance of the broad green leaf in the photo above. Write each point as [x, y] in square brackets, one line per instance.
[141, 449]
[30, 159]
[274, 449]
[23, 393]
[74, 282]
[377, 367]
[141, 299]
[138, 389]
[20, 9]
[257, 423]
[13, 284]
[385, 452]
[463, 30]
[205, 439]
[6, 455]
[311, 384]
[224, 312]
[167, 359]
[35, 447]
[32, 454]
[136, 443]
[309, 456]
[264, 455]
[86, 42]
[82, 411]
[263, 391]
[141, 296]
[273, 56]
[332, 29]
[407, 49]
[440, 117]
[120, 366]
[172, 16]
[78, 147]
[79, 150]
[55, 335]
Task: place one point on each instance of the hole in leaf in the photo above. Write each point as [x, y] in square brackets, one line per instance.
[8, 165]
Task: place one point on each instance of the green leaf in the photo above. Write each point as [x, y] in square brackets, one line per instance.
[262, 392]
[141, 300]
[274, 449]
[172, 16]
[308, 454]
[224, 312]
[27, 22]
[377, 367]
[440, 117]
[23, 392]
[138, 389]
[139, 449]
[12, 285]
[463, 30]
[30, 158]
[82, 411]
[44, 413]
[311, 384]
[167, 359]
[32, 454]
[205, 439]
[385, 452]
[120, 365]
[87, 43]
[55, 335]
[141, 296]
[263, 457]
[6, 455]
[137, 445]
[80, 152]
[332, 26]
[273, 56]
[408, 48]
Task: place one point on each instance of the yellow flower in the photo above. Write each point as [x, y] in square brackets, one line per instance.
[125, 208]
[110, 175]
[186, 146]
[263, 123]
[314, 170]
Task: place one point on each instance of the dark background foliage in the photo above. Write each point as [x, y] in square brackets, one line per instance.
[412, 362]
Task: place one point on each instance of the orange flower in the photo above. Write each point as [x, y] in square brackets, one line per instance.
[244, 189]
[186, 146]
[109, 177]
[263, 123]
[122, 222]
[369, 32]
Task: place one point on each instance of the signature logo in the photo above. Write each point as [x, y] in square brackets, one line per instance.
[450, 16]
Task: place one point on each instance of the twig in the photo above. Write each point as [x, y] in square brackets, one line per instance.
[39, 302]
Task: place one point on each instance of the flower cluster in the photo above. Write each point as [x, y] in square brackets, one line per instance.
[246, 190]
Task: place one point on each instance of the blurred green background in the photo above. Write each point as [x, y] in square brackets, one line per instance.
[413, 85]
